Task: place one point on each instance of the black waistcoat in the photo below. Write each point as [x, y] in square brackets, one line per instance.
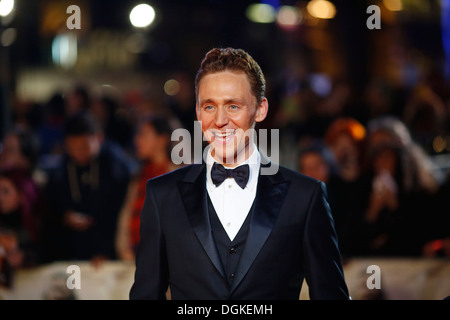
[229, 251]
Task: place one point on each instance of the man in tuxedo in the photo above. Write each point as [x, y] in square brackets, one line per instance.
[223, 229]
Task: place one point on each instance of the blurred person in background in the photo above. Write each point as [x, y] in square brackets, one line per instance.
[152, 143]
[19, 150]
[400, 202]
[318, 162]
[76, 100]
[50, 131]
[20, 217]
[113, 119]
[21, 198]
[59, 108]
[345, 137]
[86, 190]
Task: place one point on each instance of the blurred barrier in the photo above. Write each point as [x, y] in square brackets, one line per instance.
[400, 279]
[405, 279]
[110, 281]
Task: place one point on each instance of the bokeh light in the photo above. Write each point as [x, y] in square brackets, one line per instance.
[321, 9]
[6, 7]
[289, 16]
[172, 87]
[261, 13]
[393, 5]
[142, 15]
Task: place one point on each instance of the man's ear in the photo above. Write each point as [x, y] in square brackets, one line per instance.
[261, 110]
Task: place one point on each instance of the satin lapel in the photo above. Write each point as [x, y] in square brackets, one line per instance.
[194, 195]
[269, 198]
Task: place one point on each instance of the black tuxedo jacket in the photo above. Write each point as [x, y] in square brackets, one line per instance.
[291, 237]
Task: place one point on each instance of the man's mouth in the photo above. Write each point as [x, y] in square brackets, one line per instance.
[224, 137]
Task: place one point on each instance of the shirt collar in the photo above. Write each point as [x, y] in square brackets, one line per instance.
[254, 162]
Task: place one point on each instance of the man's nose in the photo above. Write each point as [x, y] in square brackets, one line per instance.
[221, 118]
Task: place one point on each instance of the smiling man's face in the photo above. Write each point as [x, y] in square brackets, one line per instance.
[227, 109]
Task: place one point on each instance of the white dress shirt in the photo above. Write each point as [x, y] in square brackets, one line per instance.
[231, 202]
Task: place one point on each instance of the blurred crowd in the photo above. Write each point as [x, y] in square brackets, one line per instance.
[72, 178]
[73, 170]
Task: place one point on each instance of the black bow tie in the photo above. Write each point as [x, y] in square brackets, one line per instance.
[239, 174]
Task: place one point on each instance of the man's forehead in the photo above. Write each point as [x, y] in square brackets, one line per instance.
[226, 74]
[225, 85]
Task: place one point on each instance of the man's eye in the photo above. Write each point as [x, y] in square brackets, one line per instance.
[234, 107]
[208, 107]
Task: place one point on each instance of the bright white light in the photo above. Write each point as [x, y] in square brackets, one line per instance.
[6, 7]
[65, 50]
[261, 13]
[142, 15]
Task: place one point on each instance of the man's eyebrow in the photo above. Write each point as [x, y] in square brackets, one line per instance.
[226, 101]
[206, 101]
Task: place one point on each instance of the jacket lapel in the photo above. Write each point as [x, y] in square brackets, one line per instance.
[272, 190]
[270, 196]
[194, 195]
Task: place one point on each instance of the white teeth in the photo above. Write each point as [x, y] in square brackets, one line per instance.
[223, 135]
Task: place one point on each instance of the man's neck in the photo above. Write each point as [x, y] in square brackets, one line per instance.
[238, 159]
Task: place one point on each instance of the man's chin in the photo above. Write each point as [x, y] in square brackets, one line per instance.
[228, 157]
[224, 156]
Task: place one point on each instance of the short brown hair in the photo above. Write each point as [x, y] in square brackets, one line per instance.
[223, 59]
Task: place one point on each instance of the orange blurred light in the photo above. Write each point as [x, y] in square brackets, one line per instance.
[321, 9]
